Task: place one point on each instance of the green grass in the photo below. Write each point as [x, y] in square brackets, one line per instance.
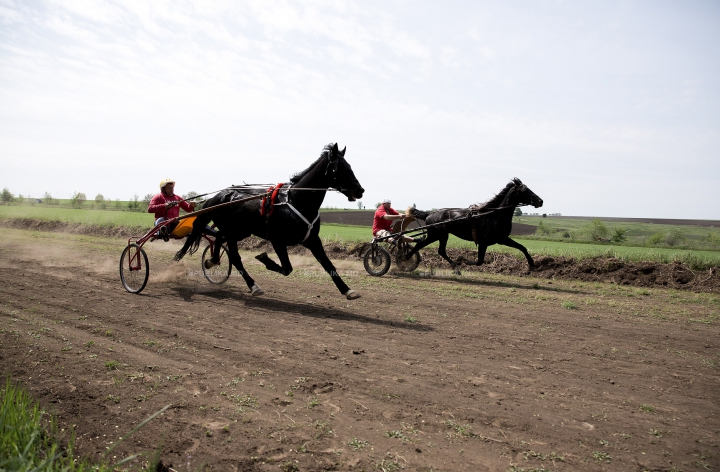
[349, 235]
[695, 258]
[86, 217]
[29, 438]
[28, 441]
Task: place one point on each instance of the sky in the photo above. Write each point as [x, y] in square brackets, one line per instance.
[601, 108]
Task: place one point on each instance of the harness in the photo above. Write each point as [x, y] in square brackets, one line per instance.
[269, 202]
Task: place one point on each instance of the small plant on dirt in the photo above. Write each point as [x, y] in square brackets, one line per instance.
[323, 429]
[290, 467]
[543, 457]
[89, 343]
[112, 365]
[658, 432]
[387, 465]
[235, 381]
[108, 333]
[245, 400]
[113, 398]
[397, 435]
[648, 408]
[289, 393]
[411, 319]
[460, 429]
[312, 402]
[569, 305]
[357, 444]
[601, 456]
[303, 449]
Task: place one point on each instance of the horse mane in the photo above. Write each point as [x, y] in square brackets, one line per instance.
[295, 178]
[495, 201]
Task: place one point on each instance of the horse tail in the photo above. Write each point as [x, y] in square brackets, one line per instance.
[192, 243]
[417, 214]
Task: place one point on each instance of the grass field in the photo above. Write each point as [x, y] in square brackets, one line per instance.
[87, 217]
[357, 234]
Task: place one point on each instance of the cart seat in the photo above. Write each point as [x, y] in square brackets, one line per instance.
[183, 228]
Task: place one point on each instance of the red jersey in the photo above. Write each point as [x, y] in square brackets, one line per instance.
[379, 223]
[157, 206]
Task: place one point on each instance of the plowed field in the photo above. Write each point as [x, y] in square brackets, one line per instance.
[480, 372]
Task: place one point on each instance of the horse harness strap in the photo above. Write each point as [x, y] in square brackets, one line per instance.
[310, 225]
[268, 200]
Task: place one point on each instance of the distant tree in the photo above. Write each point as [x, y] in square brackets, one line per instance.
[655, 239]
[117, 203]
[359, 205]
[190, 195]
[47, 198]
[544, 215]
[146, 199]
[134, 204]
[20, 198]
[377, 205]
[100, 200]
[517, 212]
[544, 229]
[596, 230]
[77, 199]
[675, 237]
[7, 197]
[619, 235]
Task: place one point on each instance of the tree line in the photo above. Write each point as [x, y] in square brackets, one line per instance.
[79, 200]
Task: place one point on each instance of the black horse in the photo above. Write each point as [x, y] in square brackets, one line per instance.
[486, 224]
[293, 220]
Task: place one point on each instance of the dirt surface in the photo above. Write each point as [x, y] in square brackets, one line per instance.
[480, 372]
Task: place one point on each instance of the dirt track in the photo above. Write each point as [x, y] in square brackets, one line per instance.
[482, 372]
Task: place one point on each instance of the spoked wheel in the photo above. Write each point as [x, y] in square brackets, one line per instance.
[134, 268]
[376, 261]
[220, 273]
[407, 265]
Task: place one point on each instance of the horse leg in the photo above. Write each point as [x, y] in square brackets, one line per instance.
[236, 260]
[315, 245]
[281, 251]
[443, 254]
[215, 256]
[481, 255]
[509, 242]
[431, 238]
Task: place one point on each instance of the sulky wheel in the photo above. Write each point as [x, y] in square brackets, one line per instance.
[220, 273]
[134, 268]
[376, 261]
[407, 265]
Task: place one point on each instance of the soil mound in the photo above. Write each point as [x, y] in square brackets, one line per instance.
[599, 269]
[73, 228]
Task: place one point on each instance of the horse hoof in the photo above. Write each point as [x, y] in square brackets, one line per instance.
[257, 291]
[261, 256]
[531, 269]
[352, 295]
[209, 264]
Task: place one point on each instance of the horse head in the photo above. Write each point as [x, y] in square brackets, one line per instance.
[341, 174]
[522, 195]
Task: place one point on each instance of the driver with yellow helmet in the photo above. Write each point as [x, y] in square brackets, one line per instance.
[165, 205]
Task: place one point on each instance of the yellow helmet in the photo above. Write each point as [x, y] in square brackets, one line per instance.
[164, 182]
